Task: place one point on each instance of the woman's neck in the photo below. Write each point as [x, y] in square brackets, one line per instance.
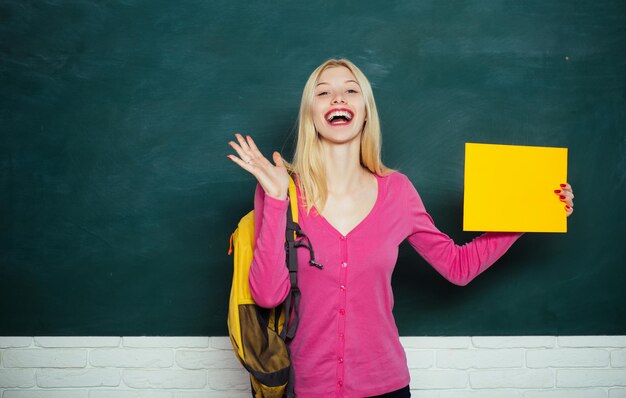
[344, 173]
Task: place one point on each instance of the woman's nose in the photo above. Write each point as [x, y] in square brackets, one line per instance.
[338, 99]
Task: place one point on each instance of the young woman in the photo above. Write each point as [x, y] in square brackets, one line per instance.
[355, 212]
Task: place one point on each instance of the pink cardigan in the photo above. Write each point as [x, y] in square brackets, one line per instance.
[347, 343]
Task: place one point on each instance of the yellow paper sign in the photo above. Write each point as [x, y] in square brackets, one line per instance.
[510, 188]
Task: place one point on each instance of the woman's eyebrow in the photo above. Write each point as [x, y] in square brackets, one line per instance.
[347, 81]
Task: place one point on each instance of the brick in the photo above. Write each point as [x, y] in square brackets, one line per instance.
[78, 377]
[420, 359]
[136, 378]
[130, 394]
[22, 378]
[591, 377]
[132, 358]
[617, 393]
[165, 342]
[567, 357]
[592, 341]
[566, 393]
[214, 394]
[424, 394]
[466, 359]
[229, 379]
[481, 394]
[77, 341]
[15, 342]
[409, 342]
[438, 379]
[512, 378]
[45, 358]
[618, 358]
[211, 359]
[44, 394]
[220, 343]
[513, 341]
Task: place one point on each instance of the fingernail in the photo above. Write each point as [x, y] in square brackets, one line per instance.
[567, 207]
[557, 191]
[562, 197]
[563, 185]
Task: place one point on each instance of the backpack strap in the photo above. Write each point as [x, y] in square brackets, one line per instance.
[294, 238]
[293, 200]
[292, 301]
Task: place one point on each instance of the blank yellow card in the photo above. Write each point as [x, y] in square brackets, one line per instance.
[510, 188]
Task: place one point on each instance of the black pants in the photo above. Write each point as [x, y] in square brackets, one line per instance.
[401, 393]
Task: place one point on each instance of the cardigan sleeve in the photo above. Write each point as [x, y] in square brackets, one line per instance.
[269, 278]
[458, 264]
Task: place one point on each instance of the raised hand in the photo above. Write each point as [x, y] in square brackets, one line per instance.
[274, 178]
[566, 195]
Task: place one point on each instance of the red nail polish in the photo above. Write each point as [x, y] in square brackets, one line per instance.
[562, 197]
[557, 191]
[567, 207]
[563, 185]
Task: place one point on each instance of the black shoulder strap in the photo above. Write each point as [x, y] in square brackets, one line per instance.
[293, 299]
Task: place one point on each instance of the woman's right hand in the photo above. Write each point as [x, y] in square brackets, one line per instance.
[273, 178]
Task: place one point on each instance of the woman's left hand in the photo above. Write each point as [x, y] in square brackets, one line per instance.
[566, 195]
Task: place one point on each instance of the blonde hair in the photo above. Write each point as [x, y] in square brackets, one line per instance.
[308, 160]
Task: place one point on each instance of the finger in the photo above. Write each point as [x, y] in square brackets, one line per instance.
[566, 194]
[568, 201]
[251, 144]
[242, 154]
[244, 145]
[569, 210]
[257, 156]
[569, 191]
[566, 187]
[278, 160]
[562, 192]
[241, 163]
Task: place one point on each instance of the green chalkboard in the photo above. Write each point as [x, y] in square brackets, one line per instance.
[117, 200]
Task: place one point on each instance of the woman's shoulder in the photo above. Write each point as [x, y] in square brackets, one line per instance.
[396, 179]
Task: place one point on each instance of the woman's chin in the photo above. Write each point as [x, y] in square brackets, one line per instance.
[338, 137]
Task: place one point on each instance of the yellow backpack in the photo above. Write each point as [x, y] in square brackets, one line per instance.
[259, 334]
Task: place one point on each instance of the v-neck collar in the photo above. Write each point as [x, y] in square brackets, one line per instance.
[379, 195]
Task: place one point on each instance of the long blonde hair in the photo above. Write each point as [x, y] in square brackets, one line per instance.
[308, 160]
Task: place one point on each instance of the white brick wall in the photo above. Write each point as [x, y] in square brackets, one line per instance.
[205, 367]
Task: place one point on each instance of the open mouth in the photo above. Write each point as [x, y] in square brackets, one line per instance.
[337, 117]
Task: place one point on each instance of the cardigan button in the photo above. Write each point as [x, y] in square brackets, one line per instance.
[342, 311]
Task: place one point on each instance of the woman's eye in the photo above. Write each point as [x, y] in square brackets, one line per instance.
[322, 93]
[351, 91]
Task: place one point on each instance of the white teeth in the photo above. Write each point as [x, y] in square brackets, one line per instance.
[345, 114]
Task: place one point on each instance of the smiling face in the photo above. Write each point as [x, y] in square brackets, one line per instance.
[338, 106]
